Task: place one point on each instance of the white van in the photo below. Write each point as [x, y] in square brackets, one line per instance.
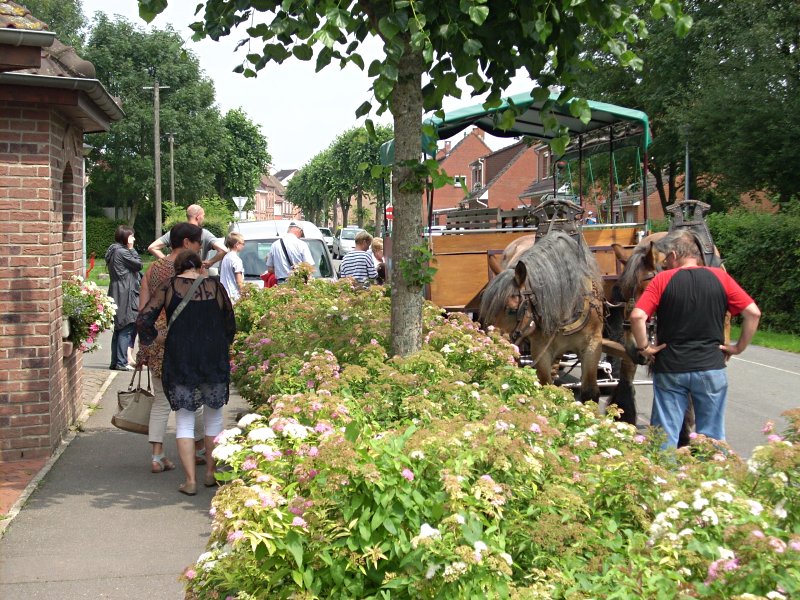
[259, 237]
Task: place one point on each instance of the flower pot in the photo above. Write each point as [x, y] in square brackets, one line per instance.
[65, 329]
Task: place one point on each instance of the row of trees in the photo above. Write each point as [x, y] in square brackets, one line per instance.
[730, 89]
[215, 155]
[340, 173]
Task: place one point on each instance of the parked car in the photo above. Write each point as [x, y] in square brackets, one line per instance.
[345, 241]
[259, 237]
[328, 237]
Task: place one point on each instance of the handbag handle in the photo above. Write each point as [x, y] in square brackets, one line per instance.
[138, 372]
[186, 299]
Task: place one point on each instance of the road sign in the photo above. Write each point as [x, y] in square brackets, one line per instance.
[389, 212]
[240, 201]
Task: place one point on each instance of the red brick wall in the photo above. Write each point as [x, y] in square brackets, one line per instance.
[469, 149]
[41, 229]
[504, 192]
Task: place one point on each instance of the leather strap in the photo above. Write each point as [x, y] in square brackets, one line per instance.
[185, 300]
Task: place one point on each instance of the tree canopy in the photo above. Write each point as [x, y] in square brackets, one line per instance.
[65, 18]
[212, 154]
[485, 43]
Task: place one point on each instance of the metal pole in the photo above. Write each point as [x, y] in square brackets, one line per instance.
[686, 179]
[611, 174]
[171, 167]
[157, 150]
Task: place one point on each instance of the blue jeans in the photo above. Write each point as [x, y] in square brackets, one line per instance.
[709, 392]
[120, 342]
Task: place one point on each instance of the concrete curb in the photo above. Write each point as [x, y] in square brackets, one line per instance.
[73, 432]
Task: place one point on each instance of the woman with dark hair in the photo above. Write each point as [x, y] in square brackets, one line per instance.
[196, 368]
[125, 270]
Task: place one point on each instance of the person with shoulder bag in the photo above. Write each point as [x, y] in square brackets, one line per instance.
[196, 368]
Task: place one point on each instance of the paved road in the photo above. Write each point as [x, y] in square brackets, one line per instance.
[763, 383]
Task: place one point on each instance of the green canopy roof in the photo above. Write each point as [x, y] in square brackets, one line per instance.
[628, 125]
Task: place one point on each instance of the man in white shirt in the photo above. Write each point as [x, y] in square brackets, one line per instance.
[288, 251]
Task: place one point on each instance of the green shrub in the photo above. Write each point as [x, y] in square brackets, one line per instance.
[451, 474]
[218, 215]
[762, 252]
[100, 235]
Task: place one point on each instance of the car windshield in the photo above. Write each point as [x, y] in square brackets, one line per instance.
[325, 231]
[254, 257]
[349, 234]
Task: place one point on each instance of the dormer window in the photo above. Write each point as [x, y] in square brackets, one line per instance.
[545, 164]
[477, 175]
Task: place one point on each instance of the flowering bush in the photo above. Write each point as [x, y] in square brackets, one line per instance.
[452, 474]
[90, 311]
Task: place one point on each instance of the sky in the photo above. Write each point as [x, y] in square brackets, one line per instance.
[300, 112]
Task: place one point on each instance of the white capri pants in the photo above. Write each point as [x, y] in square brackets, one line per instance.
[159, 414]
[184, 422]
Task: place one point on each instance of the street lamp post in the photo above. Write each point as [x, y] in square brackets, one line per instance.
[157, 149]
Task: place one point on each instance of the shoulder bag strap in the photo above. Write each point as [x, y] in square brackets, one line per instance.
[186, 299]
[286, 254]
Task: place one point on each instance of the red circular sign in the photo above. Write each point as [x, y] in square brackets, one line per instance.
[389, 212]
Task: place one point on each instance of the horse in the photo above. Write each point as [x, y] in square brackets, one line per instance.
[553, 298]
[512, 253]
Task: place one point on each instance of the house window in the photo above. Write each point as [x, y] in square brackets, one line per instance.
[544, 164]
[460, 181]
[477, 175]
[278, 207]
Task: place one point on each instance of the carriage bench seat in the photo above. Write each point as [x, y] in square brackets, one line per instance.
[479, 218]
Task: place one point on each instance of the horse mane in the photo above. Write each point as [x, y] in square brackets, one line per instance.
[495, 295]
[561, 272]
[629, 278]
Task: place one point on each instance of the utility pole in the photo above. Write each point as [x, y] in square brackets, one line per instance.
[171, 167]
[157, 149]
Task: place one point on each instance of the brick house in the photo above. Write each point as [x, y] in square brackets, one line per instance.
[455, 160]
[48, 99]
[499, 178]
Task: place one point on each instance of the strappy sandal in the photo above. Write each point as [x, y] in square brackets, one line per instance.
[189, 490]
[211, 480]
[200, 457]
[161, 463]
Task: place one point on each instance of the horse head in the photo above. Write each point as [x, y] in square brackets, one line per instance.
[508, 305]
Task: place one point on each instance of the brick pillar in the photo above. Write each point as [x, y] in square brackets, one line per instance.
[40, 389]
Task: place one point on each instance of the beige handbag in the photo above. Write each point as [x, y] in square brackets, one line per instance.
[134, 405]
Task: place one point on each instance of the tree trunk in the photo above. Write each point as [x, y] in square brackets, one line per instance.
[406, 107]
[360, 206]
[671, 170]
[345, 211]
[335, 219]
[662, 195]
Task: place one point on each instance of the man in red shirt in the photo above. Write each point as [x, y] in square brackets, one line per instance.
[690, 301]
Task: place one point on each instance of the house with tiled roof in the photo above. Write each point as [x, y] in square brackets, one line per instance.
[455, 159]
[49, 98]
[500, 177]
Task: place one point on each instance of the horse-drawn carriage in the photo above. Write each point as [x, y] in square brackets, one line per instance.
[554, 297]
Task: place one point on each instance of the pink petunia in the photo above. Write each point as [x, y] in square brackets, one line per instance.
[534, 428]
[190, 573]
[407, 474]
[774, 438]
[299, 522]
[235, 535]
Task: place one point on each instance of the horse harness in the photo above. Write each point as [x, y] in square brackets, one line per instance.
[527, 316]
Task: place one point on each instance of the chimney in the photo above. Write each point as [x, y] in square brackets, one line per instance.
[478, 131]
[447, 147]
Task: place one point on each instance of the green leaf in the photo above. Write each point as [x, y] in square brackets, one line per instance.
[388, 28]
[295, 545]
[683, 25]
[478, 14]
[323, 58]
[363, 109]
[389, 71]
[303, 52]
[472, 47]
[611, 525]
[388, 525]
[298, 578]
[352, 431]
[541, 94]
[357, 60]
[559, 145]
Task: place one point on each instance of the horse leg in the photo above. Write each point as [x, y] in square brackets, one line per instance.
[590, 357]
[624, 395]
[613, 329]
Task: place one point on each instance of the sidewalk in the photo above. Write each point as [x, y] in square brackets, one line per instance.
[93, 522]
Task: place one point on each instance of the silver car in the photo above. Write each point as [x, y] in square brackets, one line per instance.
[328, 237]
[345, 241]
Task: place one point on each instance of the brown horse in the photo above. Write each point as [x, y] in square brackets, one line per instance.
[553, 298]
[512, 253]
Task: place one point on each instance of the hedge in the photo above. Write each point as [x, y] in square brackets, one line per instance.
[100, 235]
[762, 252]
